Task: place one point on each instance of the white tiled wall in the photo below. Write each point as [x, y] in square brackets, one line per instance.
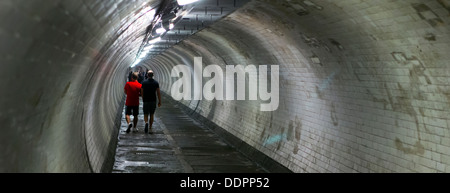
[364, 85]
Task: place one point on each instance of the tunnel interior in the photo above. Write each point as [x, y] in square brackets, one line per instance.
[363, 86]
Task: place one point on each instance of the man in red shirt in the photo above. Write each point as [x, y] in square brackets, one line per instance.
[133, 91]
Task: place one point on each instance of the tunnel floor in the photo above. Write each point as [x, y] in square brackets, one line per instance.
[178, 144]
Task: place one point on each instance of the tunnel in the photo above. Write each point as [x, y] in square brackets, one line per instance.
[351, 85]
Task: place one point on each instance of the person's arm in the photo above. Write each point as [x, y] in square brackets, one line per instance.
[142, 92]
[159, 97]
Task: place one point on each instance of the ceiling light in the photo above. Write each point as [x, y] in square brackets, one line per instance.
[185, 2]
[148, 47]
[152, 13]
[136, 63]
[154, 40]
[160, 30]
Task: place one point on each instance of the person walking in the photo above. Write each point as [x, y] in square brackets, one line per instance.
[133, 91]
[130, 74]
[149, 90]
[141, 76]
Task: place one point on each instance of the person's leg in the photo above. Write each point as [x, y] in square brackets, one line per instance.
[127, 117]
[151, 124]
[146, 123]
[135, 118]
[146, 110]
[152, 118]
[152, 115]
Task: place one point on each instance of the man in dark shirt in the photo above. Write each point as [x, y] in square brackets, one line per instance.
[149, 90]
[141, 76]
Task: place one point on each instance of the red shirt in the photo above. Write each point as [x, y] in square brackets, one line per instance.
[133, 89]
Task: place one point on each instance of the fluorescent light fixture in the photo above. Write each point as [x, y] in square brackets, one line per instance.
[136, 63]
[143, 54]
[185, 2]
[152, 13]
[148, 48]
[154, 40]
[160, 30]
[171, 26]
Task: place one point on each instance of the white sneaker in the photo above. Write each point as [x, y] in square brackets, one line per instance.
[135, 130]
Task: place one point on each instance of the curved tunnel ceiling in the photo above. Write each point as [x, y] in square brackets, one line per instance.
[363, 86]
[173, 23]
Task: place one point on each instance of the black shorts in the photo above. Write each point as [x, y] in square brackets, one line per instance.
[149, 108]
[129, 109]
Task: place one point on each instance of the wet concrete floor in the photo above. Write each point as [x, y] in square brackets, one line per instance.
[179, 144]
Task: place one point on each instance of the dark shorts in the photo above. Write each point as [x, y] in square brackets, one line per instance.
[134, 109]
[149, 108]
